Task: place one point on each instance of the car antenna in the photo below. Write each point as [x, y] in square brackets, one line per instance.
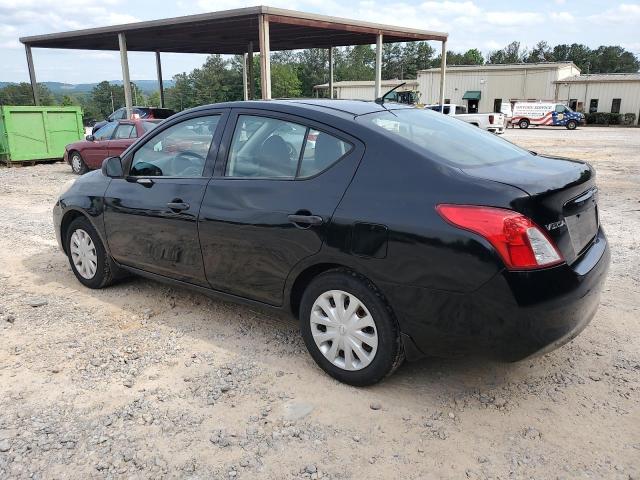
[381, 99]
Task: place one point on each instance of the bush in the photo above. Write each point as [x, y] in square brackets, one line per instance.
[605, 118]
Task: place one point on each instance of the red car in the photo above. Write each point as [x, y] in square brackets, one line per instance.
[109, 141]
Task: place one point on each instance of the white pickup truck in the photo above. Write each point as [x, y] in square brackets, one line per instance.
[493, 122]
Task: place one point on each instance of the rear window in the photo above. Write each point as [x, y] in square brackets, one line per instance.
[444, 139]
[162, 113]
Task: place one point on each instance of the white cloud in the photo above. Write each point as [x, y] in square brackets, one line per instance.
[563, 17]
[624, 13]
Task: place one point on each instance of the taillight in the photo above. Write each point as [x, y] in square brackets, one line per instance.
[491, 119]
[519, 241]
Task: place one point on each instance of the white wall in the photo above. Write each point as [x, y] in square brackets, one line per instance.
[505, 84]
[605, 92]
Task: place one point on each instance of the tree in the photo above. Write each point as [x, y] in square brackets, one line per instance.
[284, 81]
[540, 53]
[470, 57]
[21, 94]
[613, 59]
[579, 54]
[512, 53]
[313, 68]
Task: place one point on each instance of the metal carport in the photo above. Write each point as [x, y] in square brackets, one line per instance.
[234, 31]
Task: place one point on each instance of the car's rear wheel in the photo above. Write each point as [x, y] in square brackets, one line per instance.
[77, 164]
[87, 255]
[524, 123]
[571, 125]
[349, 329]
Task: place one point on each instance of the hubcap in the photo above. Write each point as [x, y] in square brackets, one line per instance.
[344, 330]
[83, 254]
[76, 163]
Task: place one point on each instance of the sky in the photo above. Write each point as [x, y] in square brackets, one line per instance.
[487, 25]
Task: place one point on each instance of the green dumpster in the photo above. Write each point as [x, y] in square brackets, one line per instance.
[37, 133]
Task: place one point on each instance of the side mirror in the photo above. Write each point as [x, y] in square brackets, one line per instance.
[90, 138]
[112, 167]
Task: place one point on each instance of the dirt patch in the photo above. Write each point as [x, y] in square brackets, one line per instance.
[144, 380]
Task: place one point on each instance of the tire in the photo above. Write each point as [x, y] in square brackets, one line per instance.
[99, 271]
[77, 164]
[380, 357]
[524, 123]
[571, 125]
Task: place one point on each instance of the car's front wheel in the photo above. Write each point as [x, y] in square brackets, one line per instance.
[77, 164]
[571, 125]
[87, 255]
[349, 329]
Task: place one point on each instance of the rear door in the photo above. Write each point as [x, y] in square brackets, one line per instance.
[151, 214]
[278, 180]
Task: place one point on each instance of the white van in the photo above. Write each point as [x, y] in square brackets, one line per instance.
[545, 113]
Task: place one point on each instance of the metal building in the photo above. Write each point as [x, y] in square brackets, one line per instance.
[608, 92]
[363, 89]
[482, 88]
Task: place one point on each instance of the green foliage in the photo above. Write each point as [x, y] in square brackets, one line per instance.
[604, 59]
[605, 118]
[20, 94]
[512, 53]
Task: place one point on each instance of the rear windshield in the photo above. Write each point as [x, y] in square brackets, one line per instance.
[162, 113]
[443, 138]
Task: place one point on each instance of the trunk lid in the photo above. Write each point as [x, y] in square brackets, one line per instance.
[563, 198]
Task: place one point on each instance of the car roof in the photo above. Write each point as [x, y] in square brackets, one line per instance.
[345, 108]
[131, 121]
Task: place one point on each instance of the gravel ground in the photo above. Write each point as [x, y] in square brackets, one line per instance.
[146, 381]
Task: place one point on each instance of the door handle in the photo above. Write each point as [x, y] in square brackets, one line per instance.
[178, 205]
[147, 182]
[307, 220]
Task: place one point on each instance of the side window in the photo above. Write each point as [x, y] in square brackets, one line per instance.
[105, 132]
[179, 151]
[320, 152]
[265, 147]
[615, 105]
[124, 131]
[560, 108]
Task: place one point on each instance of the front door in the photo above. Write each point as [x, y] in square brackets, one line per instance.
[472, 106]
[271, 199]
[98, 148]
[151, 214]
[124, 136]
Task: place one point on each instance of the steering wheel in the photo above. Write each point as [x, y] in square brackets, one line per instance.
[293, 153]
[188, 164]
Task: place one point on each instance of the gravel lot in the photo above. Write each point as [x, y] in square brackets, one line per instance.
[145, 381]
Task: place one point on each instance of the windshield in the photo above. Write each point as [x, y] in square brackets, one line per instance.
[445, 139]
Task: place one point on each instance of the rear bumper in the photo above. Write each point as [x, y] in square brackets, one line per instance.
[513, 316]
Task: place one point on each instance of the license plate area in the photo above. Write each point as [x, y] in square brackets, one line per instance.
[582, 227]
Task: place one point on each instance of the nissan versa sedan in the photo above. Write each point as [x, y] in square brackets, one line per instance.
[391, 232]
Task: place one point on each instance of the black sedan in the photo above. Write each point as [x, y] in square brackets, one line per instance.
[391, 232]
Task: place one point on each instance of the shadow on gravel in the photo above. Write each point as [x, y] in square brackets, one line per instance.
[240, 328]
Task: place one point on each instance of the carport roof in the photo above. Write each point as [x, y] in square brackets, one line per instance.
[230, 31]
